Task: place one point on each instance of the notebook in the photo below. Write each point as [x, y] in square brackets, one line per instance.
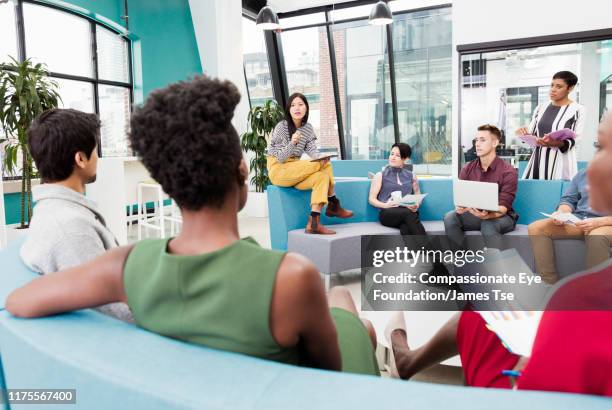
[410, 200]
[514, 322]
[564, 217]
[563, 134]
[516, 329]
[530, 140]
[323, 156]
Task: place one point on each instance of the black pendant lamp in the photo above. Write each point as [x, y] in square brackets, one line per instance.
[267, 19]
[381, 14]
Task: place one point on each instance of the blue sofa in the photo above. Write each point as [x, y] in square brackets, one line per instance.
[115, 365]
[289, 209]
[357, 167]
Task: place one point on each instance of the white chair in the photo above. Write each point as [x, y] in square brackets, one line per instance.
[161, 213]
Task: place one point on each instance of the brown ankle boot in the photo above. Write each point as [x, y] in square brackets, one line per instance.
[334, 209]
[314, 226]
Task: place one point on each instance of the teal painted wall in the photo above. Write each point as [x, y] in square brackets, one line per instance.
[164, 47]
[168, 44]
[12, 208]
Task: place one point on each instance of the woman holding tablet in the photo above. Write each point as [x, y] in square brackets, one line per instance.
[291, 137]
[552, 158]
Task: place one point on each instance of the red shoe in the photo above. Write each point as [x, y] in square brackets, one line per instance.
[334, 209]
[314, 226]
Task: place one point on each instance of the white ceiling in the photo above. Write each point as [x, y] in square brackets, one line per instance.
[282, 6]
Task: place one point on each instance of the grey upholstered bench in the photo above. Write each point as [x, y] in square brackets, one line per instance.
[342, 251]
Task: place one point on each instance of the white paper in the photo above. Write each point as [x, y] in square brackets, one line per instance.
[516, 329]
[514, 322]
[410, 200]
[564, 217]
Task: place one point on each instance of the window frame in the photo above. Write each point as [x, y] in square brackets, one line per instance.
[95, 80]
[516, 44]
[276, 61]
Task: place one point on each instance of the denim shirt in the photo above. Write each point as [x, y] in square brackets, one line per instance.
[576, 197]
[389, 182]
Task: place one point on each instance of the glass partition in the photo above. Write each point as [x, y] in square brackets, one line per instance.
[504, 87]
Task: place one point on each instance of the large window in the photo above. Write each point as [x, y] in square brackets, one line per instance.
[363, 74]
[504, 87]
[308, 71]
[8, 32]
[377, 98]
[422, 58]
[256, 69]
[89, 62]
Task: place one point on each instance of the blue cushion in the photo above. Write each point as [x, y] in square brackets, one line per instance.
[439, 198]
[116, 365]
[289, 207]
[566, 185]
[535, 196]
[12, 262]
[357, 167]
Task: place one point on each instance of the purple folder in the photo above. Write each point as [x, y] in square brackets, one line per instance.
[564, 134]
[530, 140]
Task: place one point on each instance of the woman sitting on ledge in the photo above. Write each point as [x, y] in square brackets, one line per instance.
[207, 286]
[291, 138]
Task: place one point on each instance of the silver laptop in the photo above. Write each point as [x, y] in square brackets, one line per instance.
[473, 194]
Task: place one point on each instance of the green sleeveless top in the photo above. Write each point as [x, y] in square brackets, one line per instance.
[219, 299]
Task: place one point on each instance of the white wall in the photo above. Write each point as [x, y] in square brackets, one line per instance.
[281, 6]
[218, 29]
[478, 21]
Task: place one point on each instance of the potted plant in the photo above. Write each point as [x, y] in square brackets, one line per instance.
[261, 122]
[25, 92]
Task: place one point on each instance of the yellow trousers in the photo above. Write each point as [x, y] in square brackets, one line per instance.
[303, 175]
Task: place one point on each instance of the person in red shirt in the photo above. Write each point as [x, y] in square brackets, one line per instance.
[488, 167]
[571, 350]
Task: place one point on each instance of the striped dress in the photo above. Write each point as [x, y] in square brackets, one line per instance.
[282, 148]
[550, 162]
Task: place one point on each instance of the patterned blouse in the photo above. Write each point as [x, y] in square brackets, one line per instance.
[282, 148]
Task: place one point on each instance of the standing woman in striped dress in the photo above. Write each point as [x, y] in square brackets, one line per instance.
[290, 139]
[553, 159]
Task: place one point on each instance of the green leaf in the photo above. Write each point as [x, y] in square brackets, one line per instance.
[25, 92]
[261, 122]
